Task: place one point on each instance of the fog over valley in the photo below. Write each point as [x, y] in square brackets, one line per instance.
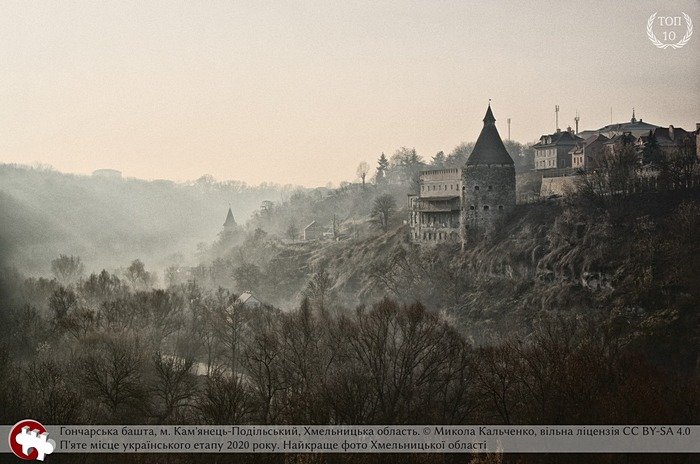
[109, 222]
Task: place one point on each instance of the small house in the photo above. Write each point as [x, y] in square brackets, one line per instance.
[248, 300]
[313, 231]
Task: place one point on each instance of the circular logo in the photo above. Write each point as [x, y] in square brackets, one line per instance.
[29, 440]
[669, 34]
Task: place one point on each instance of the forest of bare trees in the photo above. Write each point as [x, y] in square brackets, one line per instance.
[102, 349]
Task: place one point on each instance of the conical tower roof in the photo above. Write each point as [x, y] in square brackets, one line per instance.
[230, 222]
[489, 148]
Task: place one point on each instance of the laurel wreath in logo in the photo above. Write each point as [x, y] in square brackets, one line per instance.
[660, 44]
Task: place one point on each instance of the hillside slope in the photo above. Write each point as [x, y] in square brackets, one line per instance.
[109, 222]
[635, 264]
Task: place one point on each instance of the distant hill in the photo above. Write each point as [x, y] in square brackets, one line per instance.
[109, 222]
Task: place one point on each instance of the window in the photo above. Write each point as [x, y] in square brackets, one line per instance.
[486, 207]
[490, 187]
[500, 207]
[476, 187]
[471, 207]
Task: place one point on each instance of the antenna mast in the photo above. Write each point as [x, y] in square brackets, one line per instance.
[577, 119]
[556, 117]
[508, 128]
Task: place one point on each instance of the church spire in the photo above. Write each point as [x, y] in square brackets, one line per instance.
[230, 221]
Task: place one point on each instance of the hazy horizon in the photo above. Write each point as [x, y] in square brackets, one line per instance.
[301, 93]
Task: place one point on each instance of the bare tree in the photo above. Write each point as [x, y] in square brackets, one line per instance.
[362, 171]
[262, 362]
[204, 329]
[225, 400]
[683, 165]
[67, 269]
[230, 322]
[612, 177]
[292, 231]
[112, 374]
[405, 165]
[138, 276]
[408, 354]
[54, 397]
[305, 364]
[61, 302]
[173, 386]
[318, 288]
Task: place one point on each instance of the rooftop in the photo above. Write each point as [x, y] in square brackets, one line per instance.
[230, 221]
[489, 148]
[558, 138]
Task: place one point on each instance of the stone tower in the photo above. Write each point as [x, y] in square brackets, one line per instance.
[488, 183]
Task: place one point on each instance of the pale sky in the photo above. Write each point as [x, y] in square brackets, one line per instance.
[301, 92]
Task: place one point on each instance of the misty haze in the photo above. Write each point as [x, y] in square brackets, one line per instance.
[306, 213]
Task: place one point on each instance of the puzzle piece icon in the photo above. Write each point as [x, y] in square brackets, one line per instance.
[33, 439]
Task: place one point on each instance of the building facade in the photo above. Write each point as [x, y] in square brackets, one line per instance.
[435, 211]
[669, 140]
[462, 203]
[584, 153]
[552, 150]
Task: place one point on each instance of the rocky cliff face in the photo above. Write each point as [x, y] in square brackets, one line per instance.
[634, 265]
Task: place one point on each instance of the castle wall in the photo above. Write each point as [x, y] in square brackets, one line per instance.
[557, 186]
[440, 183]
[488, 194]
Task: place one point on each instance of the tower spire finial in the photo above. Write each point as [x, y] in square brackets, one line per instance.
[488, 118]
[634, 119]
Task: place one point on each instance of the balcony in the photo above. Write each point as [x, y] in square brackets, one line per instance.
[436, 205]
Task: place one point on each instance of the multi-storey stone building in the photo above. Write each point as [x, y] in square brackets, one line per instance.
[456, 204]
[584, 153]
[552, 151]
[435, 211]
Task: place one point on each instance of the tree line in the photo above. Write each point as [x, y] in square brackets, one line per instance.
[102, 351]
